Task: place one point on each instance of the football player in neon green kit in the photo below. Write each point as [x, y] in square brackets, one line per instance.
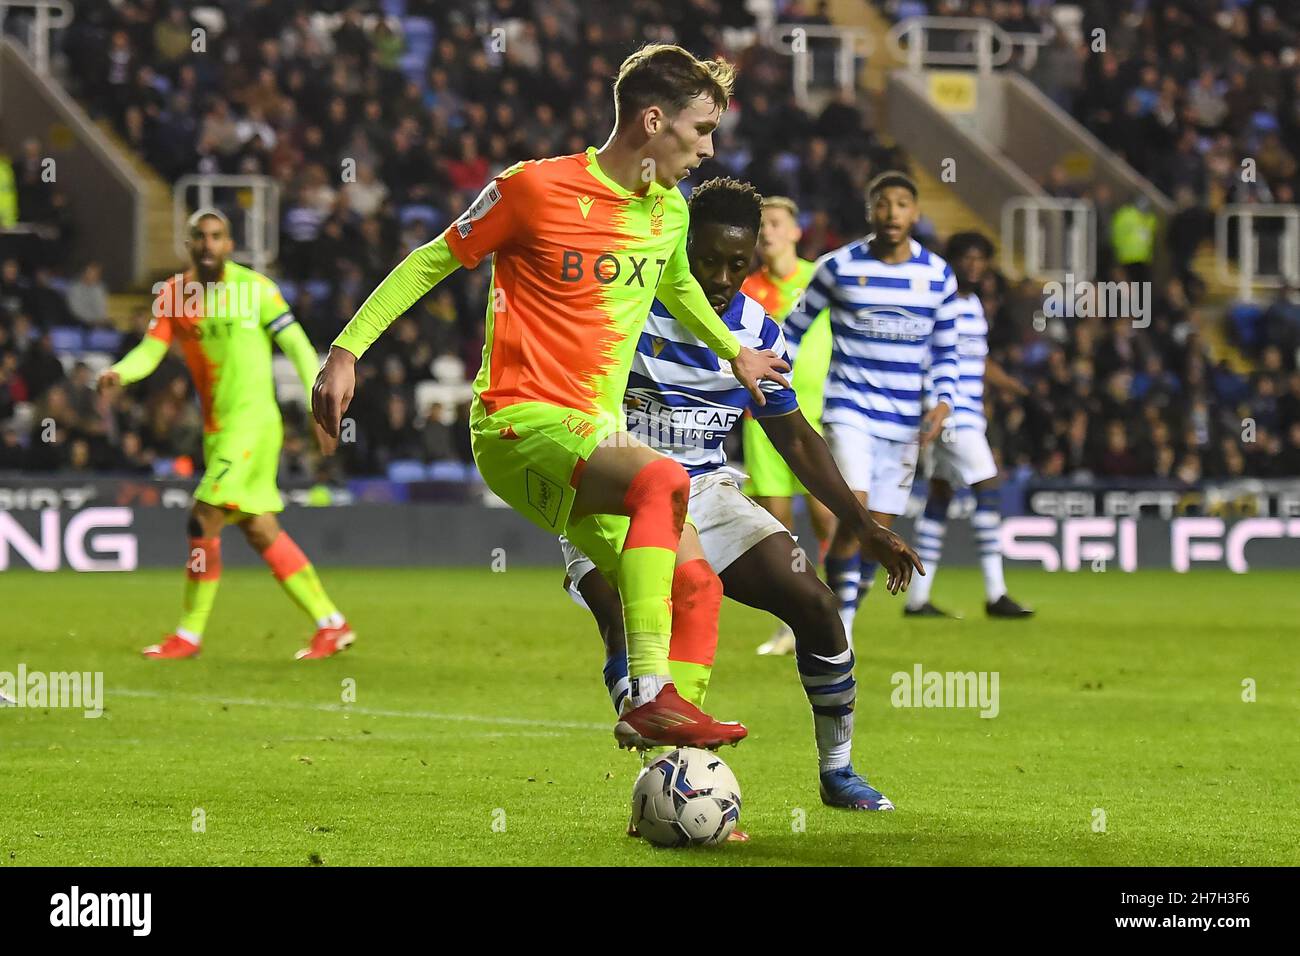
[582, 245]
[776, 284]
[224, 317]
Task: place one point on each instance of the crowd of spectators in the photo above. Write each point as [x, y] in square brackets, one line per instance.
[381, 123]
[1109, 400]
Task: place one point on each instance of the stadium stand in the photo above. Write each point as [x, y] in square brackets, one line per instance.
[409, 92]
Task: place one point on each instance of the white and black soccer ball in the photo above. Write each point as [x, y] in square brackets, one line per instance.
[685, 797]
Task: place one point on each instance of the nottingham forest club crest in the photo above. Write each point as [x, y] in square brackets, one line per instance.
[657, 217]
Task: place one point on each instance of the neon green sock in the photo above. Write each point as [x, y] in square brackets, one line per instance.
[692, 680]
[200, 595]
[645, 581]
[304, 587]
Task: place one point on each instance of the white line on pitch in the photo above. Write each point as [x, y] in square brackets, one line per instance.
[350, 709]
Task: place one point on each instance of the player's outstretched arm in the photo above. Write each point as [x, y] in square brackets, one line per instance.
[136, 364]
[293, 342]
[415, 275]
[806, 453]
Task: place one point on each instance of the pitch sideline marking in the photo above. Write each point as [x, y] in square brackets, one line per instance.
[351, 709]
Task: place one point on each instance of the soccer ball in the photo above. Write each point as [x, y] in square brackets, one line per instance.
[688, 796]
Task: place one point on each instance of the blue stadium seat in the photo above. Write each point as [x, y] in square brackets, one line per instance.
[103, 340]
[447, 471]
[405, 471]
[1246, 323]
[418, 212]
[393, 8]
[412, 67]
[67, 338]
[290, 290]
[320, 289]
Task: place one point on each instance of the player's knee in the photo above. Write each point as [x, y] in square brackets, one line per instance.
[194, 527]
[821, 610]
[260, 534]
[663, 482]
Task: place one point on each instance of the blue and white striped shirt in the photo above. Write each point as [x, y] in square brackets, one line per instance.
[972, 351]
[683, 400]
[887, 321]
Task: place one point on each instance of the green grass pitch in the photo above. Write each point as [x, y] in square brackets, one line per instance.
[481, 732]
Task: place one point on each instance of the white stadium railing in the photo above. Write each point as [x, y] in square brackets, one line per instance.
[987, 45]
[257, 196]
[1248, 260]
[48, 15]
[851, 45]
[1052, 238]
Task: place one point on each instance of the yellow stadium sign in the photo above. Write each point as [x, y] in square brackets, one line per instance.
[953, 91]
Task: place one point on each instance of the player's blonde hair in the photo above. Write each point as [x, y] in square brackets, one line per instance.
[782, 202]
[666, 75]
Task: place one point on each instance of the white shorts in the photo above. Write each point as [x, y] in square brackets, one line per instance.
[882, 468]
[963, 459]
[729, 523]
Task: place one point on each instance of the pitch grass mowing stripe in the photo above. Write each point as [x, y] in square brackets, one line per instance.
[366, 711]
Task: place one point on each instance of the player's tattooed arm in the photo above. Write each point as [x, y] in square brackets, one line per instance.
[810, 459]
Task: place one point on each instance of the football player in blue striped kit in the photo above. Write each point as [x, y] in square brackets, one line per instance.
[681, 401]
[891, 309]
[963, 456]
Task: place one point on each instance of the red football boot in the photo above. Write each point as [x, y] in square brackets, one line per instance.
[327, 642]
[174, 647]
[669, 721]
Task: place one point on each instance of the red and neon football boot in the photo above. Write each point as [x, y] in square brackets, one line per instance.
[670, 721]
[174, 646]
[327, 642]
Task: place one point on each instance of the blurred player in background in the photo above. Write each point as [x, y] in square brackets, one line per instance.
[891, 308]
[777, 283]
[224, 317]
[681, 400]
[583, 245]
[962, 455]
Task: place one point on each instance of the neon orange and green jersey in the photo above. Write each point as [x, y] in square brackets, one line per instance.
[578, 262]
[224, 330]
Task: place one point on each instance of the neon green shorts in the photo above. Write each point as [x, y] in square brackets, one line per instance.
[531, 455]
[241, 469]
[769, 475]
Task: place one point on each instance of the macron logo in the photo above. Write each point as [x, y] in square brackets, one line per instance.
[103, 909]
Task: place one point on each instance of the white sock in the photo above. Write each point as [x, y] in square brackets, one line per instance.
[847, 614]
[190, 636]
[995, 584]
[834, 732]
[646, 688]
[332, 620]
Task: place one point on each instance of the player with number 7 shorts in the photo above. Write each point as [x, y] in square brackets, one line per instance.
[224, 317]
[583, 244]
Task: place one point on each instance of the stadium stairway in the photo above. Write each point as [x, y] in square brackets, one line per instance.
[940, 203]
[950, 214]
[160, 257]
